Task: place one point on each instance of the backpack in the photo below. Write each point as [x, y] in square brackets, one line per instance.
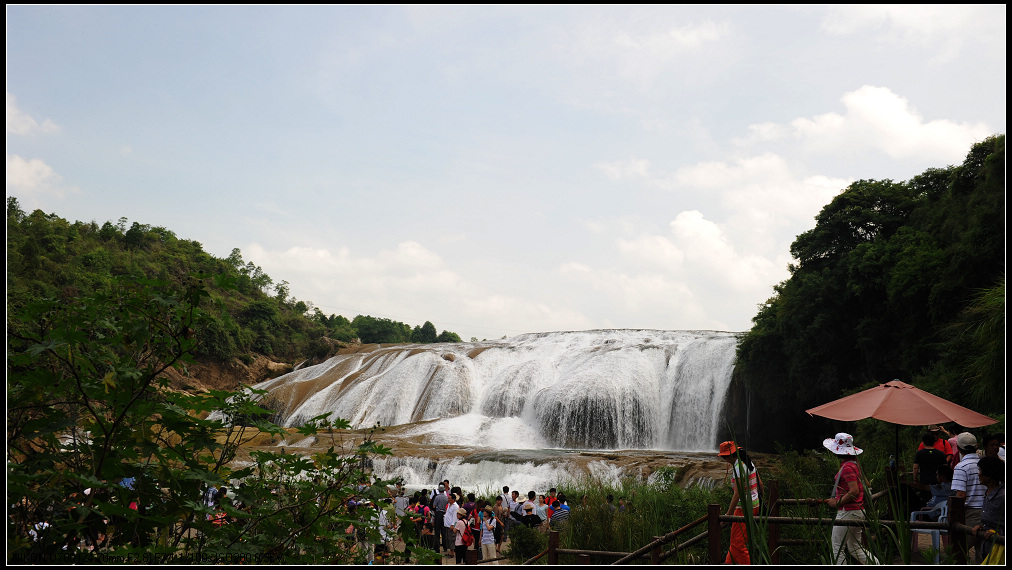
[467, 538]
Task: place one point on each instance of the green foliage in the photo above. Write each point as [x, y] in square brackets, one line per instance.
[217, 339]
[975, 349]
[525, 543]
[49, 257]
[374, 330]
[88, 408]
[649, 510]
[335, 326]
[884, 287]
[424, 334]
[447, 336]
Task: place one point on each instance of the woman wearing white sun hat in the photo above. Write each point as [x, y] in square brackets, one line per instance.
[848, 499]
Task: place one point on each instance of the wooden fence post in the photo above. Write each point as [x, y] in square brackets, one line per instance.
[655, 552]
[713, 533]
[553, 545]
[957, 514]
[774, 528]
[583, 559]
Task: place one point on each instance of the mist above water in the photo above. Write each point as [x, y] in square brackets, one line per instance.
[606, 389]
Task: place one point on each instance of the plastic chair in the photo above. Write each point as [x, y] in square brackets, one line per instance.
[943, 516]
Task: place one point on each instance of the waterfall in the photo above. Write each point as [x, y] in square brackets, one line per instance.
[606, 389]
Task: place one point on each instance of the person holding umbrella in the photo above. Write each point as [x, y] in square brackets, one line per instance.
[848, 500]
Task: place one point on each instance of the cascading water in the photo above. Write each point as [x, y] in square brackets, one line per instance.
[608, 389]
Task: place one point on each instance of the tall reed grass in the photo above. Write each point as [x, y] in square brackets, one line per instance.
[640, 512]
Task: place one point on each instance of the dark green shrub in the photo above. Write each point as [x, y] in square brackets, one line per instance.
[525, 543]
[214, 340]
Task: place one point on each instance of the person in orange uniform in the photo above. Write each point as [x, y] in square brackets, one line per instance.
[745, 486]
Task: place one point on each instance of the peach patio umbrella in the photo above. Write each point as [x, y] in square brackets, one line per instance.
[901, 404]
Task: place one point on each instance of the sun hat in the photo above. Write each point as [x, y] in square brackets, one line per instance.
[727, 448]
[842, 444]
[488, 508]
[966, 440]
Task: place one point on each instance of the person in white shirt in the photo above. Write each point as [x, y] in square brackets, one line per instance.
[966, 484]
[450, 520]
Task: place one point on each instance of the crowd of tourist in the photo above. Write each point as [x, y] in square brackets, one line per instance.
[449, 522]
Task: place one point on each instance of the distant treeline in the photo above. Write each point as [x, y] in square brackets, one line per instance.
[896, 280]
[48, 257]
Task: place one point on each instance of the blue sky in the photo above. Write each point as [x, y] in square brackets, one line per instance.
[495, 170]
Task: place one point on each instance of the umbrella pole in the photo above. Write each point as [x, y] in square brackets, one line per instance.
[897, 456]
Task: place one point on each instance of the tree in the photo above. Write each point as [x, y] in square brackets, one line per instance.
[447, 336]
[15, 215]
[108, 231]
[374, 330]
[879, 284]
[92, 429]
[426, 334]
[135, 236]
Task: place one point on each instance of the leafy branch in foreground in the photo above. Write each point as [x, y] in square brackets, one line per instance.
[106, 463]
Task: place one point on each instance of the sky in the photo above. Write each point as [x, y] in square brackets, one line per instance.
[495, 170]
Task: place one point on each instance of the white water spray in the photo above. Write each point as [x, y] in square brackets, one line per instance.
[608, 389]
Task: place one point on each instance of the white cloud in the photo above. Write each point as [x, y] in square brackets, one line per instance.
[757, 198]
[709, 251]
[733, 244]
[608, 56]
[721, 257]
[695, 277]
[625, 169]
[921, 21]
[20, 123]
[653, 250]
[877, 118]
[762, 187]
[874, 119]
[410, 283]
[666, 44]
[648, 298]
[942, 30]
[761, 133]
[33, 178]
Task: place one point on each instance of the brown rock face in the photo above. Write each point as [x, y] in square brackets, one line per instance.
[203, 376]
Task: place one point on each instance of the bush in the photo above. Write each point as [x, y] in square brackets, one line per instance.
[214, 340]
[525, 543]
[88, 407]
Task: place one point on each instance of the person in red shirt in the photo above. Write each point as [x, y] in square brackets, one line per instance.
[939, 444]
[848, 499]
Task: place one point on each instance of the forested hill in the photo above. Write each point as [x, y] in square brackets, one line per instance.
[49, 257]
[898, 280]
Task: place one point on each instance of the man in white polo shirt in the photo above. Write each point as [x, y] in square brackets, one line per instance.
[966, 484]
[449, 520]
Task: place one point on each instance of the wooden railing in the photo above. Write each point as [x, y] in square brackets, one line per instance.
[956, 527]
